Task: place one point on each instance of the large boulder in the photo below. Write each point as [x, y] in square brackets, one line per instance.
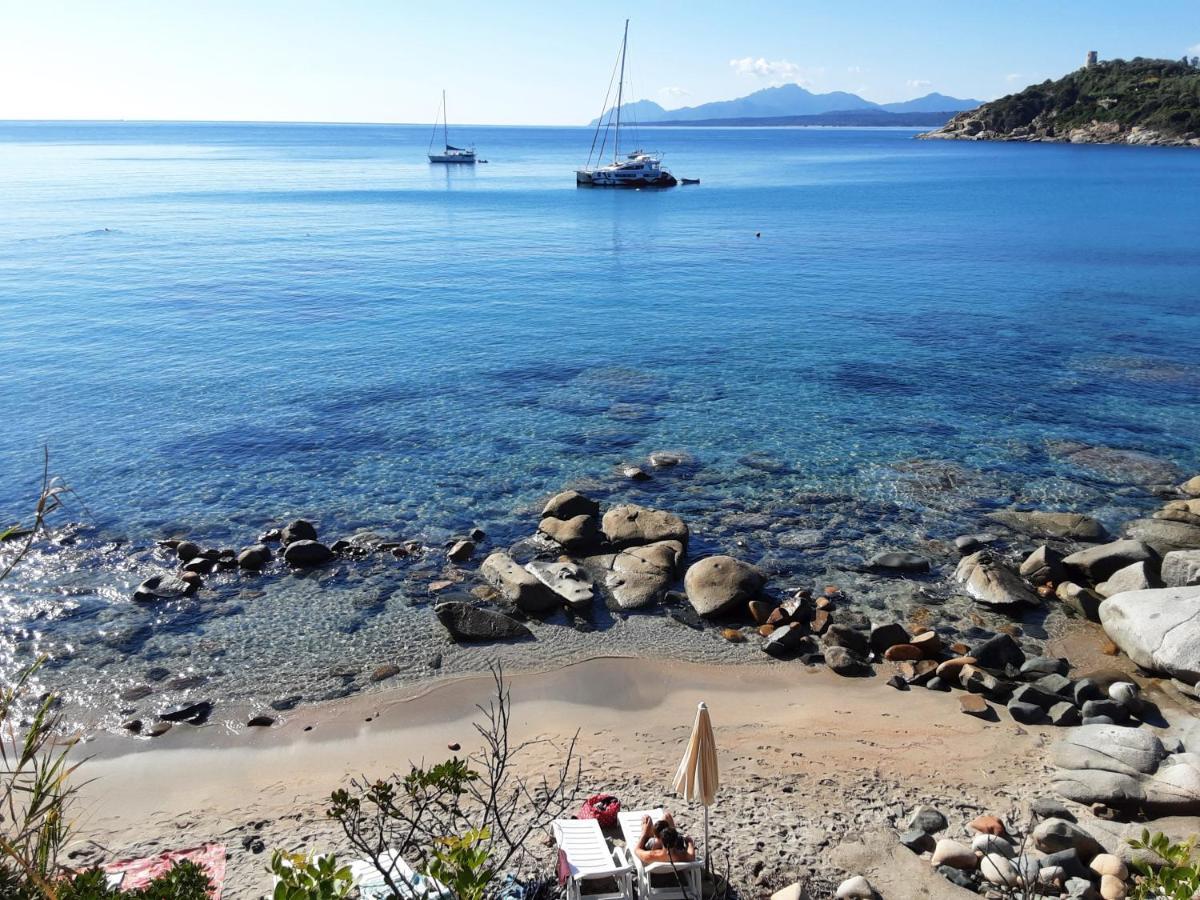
[163, 587]
[1158, 629]
[578, 533]
[299, 530]
[469, 623]
[254, 557]
[517, 585]
[1191, 487]
[899, 561]
[989, 581]
[1043, 564]
[630, 525]
[1055, 835]
[569, 581]
[640, 576]
[718, 584]
[570, 504]
[1181, 511]
[1095, 564]
[1000, 651]
[1073, 526]
[1138, 576]
[1164, 535]
[1181, 568]
[1126, 768]
[304, 553]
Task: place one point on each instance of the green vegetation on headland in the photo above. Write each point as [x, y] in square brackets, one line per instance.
[1142, 101]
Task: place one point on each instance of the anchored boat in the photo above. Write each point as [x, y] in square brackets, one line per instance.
[449, 154]
[636, 169]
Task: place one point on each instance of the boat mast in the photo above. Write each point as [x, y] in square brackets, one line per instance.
[620, 92]
[445, 117]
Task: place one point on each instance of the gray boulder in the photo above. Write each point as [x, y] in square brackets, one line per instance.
[718, 584]
[991, 582]
[1158, 629]
[578, 533]
[1055, 835]
[1043, 564]
[1083, 600]
[1052, 524]
[469, 623]
[1138, 576]
[163, 587]
[568, 505]
[843, 662]
[1181, 568]
[630, 525]
[569, 581]
[1095, 564]
[305, 553]
[898, 561]
[640, 576]
[1163, 535]
[253, 558]
[299, 530]
[517, 585]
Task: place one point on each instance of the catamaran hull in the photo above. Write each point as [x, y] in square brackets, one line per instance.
[599, 179]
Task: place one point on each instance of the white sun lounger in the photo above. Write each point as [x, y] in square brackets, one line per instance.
[659, 881]
[585, 853]
[415, 886]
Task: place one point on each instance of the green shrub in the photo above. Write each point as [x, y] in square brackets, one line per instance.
[301, 877]
[184, 881]
[1179, 876]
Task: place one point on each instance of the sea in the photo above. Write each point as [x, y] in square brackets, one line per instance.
[854, 340]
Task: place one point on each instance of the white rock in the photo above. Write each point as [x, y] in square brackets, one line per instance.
[1112, 888]
[949, 852]
[1050, 876]
[1107, 864]
[1159, 629]
[991, 843]
[856, 888]
[999, 870]
[1125, 693]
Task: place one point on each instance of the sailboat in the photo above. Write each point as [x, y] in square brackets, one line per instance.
[449, 154]
[636, 169]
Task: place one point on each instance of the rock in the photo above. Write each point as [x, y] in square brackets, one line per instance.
[852, 639]
[1026, 713]
[461, 551]
[999, 870]
[285, 703]
[299, 530]
[733, 635]
[967, 544]
[662, 459]
[635, 473]
[468, 623]
[569, 505]
[254, 557]
[159, 729]
[988, 825]
[1064, 714]
[786, 641]
[1049, 808]
[193, 713]
[974, 705]
[718, 584]
[1068, 860]
[899, 652]
[1164, 536]
[630, 525]
[884, 636]
[640, 576]
[798, 890]
[937, 684]
[1138, 576]
[187, 550]
[567, 580]
[1181, 568]
[1080, 889]
[1031, 693]
[998, 652]
[1158, 629]
[133, 726]
[928, 820]
[260, 721]
[517, 585]
[1125, 694]
[303, 553]
[1043, 564]
[897, 682]
[929, 643]
[136, 692]
[1051, 876]
[990, 582]
[384, 672]
[993, 843]
[1096, 564]
[856, 888]
[1191, 487]
[917, 841]
[1083, 601]
[1107, 864]
[162, 587]
[950, 669]
[897, 561]
[200, 566]
[948, 852]
[1071, 526]
[577, 534]
[978, 681]
[760, 611]
[842, 661]
[1045, 665]
[1054, 835]
[1112, 888]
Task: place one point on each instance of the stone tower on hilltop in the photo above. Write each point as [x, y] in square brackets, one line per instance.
[1091, 59]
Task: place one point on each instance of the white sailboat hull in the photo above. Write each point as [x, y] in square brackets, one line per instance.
[460, 158]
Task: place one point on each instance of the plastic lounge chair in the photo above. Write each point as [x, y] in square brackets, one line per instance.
[413, 885]
[584, 855]
[664, 880]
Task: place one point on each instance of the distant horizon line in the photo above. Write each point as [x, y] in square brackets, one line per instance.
[682, 125]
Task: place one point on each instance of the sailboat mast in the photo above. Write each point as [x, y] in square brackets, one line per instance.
[620, 93]
[445, 118]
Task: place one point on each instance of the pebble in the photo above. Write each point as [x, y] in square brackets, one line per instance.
[927, 820]
[1112, 888]
[949, 852]
[1108, 864]
[999, 870]
[973, 705]
[856, 888]
[993, 843]
[988, 825]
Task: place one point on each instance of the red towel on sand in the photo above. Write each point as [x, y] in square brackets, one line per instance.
[140, 872]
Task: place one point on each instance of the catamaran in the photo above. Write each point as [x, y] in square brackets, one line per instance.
[449, 154]
[636, 169]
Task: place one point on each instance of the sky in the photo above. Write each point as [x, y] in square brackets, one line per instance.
[538, 63]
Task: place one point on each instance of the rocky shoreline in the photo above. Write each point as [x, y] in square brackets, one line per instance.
[967, 127]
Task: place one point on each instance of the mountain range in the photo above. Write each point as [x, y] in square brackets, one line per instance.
[787, 100]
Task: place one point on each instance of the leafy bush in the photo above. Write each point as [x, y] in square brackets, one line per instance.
[463, 864]
[300, 877]
[1179, 876]
[184, 881]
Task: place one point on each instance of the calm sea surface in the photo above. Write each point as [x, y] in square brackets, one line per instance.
[215, 328]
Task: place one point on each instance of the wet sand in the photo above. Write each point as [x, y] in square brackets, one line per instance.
[808, 759]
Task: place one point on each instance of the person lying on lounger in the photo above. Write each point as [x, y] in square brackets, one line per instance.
[662, 842]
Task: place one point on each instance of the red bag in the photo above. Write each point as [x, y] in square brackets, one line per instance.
[603, 808]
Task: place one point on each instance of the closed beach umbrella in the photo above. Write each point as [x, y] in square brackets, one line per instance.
[697, 778]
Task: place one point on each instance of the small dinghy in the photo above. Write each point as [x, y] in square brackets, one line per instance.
[689, 180]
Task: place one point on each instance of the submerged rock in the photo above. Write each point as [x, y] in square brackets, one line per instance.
[299, 530]
[253, 558]
[469, 623]
[302, 553]
[1073, 526]
[717, 584]
[898, 561]
[163, 587]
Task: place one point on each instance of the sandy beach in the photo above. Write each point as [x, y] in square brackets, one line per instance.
[809, 760]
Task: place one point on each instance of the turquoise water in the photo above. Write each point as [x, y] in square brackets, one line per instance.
[218, 327]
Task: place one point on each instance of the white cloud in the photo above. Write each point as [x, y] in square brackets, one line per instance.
[673, 93]
[776, 71]
[855, 70]
[1013, 76]
[918, 83]
[1193, 50]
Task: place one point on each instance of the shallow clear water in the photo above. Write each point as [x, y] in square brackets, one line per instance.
[218, 327]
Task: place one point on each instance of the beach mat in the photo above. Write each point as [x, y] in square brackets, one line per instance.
[137, 873]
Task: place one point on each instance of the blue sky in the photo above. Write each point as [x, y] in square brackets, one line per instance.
[537, 63]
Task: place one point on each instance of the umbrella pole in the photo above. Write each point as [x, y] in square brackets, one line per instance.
[707, 858]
